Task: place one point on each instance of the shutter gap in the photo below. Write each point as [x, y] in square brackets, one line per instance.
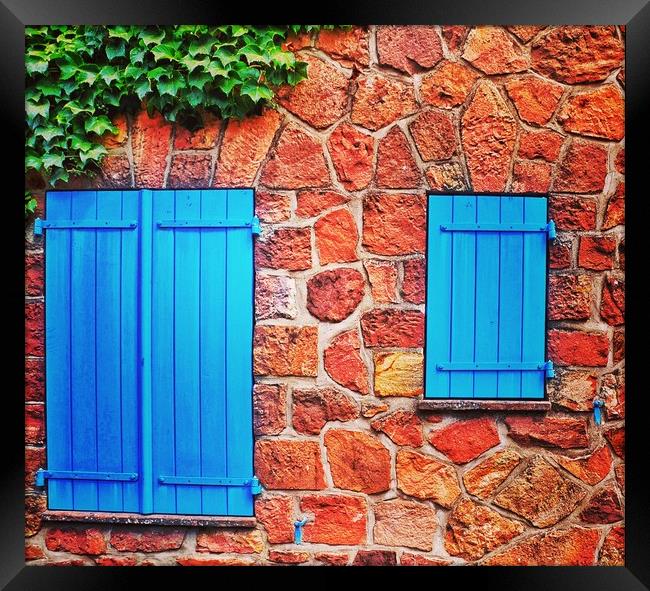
[451, 295]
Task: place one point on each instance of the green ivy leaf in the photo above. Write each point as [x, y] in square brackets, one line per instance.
[52, 159]
[37, 109]
[116, 49]
[35, 65]
[99, 125]
[94, 153]
[255, 92]
[151, 37]
[162, 52]
[47, 133]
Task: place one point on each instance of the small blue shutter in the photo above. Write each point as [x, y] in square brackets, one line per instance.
[149, 319]
[486, 297]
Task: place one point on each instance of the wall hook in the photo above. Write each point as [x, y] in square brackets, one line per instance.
[297, 537]
[598, 404]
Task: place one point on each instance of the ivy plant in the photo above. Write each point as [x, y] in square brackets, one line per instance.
[79, 77]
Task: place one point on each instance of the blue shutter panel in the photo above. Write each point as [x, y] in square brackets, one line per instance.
[486, 297]
[149, 351]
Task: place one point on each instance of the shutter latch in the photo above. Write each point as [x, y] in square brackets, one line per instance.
[551, 230]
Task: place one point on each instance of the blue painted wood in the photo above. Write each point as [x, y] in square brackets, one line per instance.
[57, 352]
[534, 298]
[487, 300]
[438, 307]
[463, 294]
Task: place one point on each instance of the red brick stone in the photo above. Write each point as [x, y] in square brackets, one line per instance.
[296, 162]
[560, 253]
[399, 373]
[619, 345]
[447, 176]
[482, 480]
[34, 380]
[534, 98]
[619, 161]
[314, 407]
[343, 362]
[115, 561]
[577, 54]
[34, 507]
[412, 559]
[34, 460]
[540, 494]
[590, 469]
[275, 297]
[612, 305]
[34, 324]
[612, 392]
[350, 47]
[603, 506]
[562, 432]
[569, 297]
[33, 552]
[597, 252]
[621, 254]
[573, 389]
[333, 295]
[288, 557]
[375, 558]
[352, 153]
[448, 85]
[396, 166]
[474, 530]
[583, 168]
[434, 135]
[34, 424]
[243, 148]
[89, 541]
[575, 546]
[544, 144]
[336, 237]
[68, 563]
[408, 48]
[116, 140]
[403, 428]
[371, 408]
[612, 552]
[394, 224]
[573, 212]
[321, 99]
[413, 285]
[285, 350]
[289, 464]
[189, 170]
[297, 42]
[424, 477]
[525, 32]
[311, 203]
[598, 112]
[357, 461]
[395, 521]
[578, 348]
[455, 36]
[272, 207]
[465, 440]
[116, 172]
[382, 276]
[379, 101]
[493, 51]
[269, 408]
[285, 248]
[236, 542]
[330, 559]
[530, 176]
[337, 519]
[203, 138]
[488, 137]
[615, 212]
[276, 516]
[150, 142]
[616, 438]
[391, 327]
[220, 561]
[33, 273]
[154, 540]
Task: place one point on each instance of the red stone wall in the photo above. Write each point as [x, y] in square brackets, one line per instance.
[341, 171]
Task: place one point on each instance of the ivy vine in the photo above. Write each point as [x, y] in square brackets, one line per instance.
[79, 77]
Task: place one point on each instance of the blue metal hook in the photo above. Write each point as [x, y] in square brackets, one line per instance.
[598, 404]
[297, 538]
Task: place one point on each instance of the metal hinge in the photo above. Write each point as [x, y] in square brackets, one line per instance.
[551, 230]
[548, 228]
[43, 475]
[253, 224]
[40, 225]
[252, 483]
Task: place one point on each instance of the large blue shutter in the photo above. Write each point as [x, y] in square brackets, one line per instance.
[486, 297]
[149, 324]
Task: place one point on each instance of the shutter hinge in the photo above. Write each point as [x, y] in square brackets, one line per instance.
[40, 225]
[255, 226]
[550, 369]
[252, 483]
[42, 475]
[551, 230]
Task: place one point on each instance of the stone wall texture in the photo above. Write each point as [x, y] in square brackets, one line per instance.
[341, 169]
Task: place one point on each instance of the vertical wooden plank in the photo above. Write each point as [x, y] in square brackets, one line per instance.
[162, 353]
[107, 346]
[239, 336]
[463, 275]
[510, 293]
[83, 366]
[534, 297]
[438, 305]
[213, 352]
[130, 403]
[487, 296]
[57, 350]
[186, 351]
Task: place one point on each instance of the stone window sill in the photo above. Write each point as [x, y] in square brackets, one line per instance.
[489, 405]
[154, 519]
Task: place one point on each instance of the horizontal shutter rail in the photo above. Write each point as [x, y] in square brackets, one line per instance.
[546, 366]
[253, 223]
[549, 228]
[43, 475]
[253, 483]
[40, 225]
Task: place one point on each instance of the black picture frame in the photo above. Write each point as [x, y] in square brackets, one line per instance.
[15, 14]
